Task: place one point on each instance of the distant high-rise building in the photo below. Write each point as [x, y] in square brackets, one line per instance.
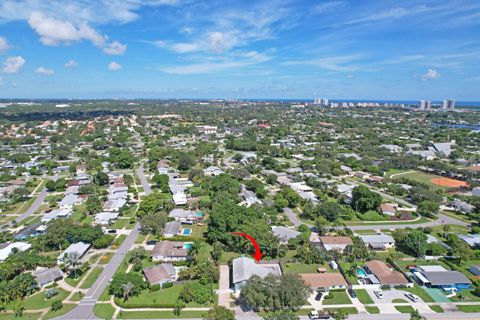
[444, 105]
[317, 101]
[321, 101]
[428, 105]
[451, 104]
[422, 105]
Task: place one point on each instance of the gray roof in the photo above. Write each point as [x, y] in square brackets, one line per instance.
[182, 213]
[244, 268]
[376, 238]
[172, 227]
[284, 233]
[442, 278]
[46, 275]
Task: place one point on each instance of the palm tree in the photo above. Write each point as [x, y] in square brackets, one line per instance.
[415, 315]
[72, 262]
[127, 290]
[194, 249]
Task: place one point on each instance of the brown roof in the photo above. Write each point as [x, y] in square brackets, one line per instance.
[384, 274]
[169, 249]
[323, 280]
[155, 274]
[387, 207]
[336, 240]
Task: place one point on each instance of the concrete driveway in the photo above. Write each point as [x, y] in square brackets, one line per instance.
[386, 304]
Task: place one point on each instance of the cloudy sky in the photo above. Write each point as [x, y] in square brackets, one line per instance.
[387, 49]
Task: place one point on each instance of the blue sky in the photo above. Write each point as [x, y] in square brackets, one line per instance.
[340, 49]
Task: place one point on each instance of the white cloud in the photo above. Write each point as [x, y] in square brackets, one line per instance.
[4, 46]
[327, 6]
[13, 64]
[115, 48]
[113, 66]
[239, 61]
[53, 32]
[71, 64]
[431, 74]
[44, 71]
[334, 63]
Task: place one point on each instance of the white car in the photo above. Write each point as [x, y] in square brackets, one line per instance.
[411, 296]
[378, 293]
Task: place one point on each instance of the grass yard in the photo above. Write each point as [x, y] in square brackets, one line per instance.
[346, 267]
[104, 310]
[372, 310]
[349, 310]
[363, 296]
[74, 282]
[423, 178]
[120, 224]
[472, 308]
[140, 238]
[38, 301]
[26, 316]
[300, 268]
[164, 298]
[204, 251]
[105, 258]
[465, 296]
[404, 309]
[399, 301]
[228, 256]
[419, 292]
[338, 297]
[373, 216]
[54, 314]
[437, 309]
[159, 314]
[419, 262]
[90, 280]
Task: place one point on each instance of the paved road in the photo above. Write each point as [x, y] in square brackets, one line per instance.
[436, 316]
[34, 207]
[84, 310]
[143, 180]
[292, 216]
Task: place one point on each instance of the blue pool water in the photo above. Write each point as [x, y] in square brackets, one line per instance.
[200, 214]
[187, 232]
[361, 273]
[187, 245]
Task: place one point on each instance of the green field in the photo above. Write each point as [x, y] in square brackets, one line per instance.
[423, 178]
[363, 296]
[404, 309]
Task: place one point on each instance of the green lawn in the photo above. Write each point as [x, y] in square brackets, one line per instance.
[105, 258]
[90, 280]
[472, 308]
[300, 268]
[373, 216]
[26, 316]
[349, 310]
[404, 309]
[419, 292]
[372, 310]
[338, 297]
[204, 251]
[38, 301]
[104, 311]
[54, 314]
[363, 296]
[74, 282]
[423, 178]
[466, 296]
[120, 224]
[164, 298]
[228, 256]
[159, 314]
[437, 309]
[399, 301]
[140, 238]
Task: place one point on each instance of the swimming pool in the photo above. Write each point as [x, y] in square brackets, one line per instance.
[361, 273]
[187, 245]
[186, 232]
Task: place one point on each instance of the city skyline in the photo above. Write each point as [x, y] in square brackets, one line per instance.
[272, 49]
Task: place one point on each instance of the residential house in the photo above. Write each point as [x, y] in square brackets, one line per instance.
[441, 278]
[170, 251]
[79, 249]
[249, 197]
[284, 234]
[114, 205]
[473, 240]
[212, 171]
[186, 216]
[69, 201]
[461, 206]
[475, 270]
[27, 232]
[6, 249]
[338, 243]
[172, 228]
[378, 242]
[324, 281]
[244, 268]
[388, 209]
[106, 218]
[56, 214]
[444, 149]
[47, 276]
[385, 275]
[160, 274]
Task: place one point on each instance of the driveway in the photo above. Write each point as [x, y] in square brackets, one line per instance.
[224, 287]
[292, 216]
[386, 305]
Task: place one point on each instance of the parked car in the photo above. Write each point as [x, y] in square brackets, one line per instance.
[378, 293]
[151, 242]
[318, 296]
[316, 315]
[352, 293]
[411, 296]
[112, 231]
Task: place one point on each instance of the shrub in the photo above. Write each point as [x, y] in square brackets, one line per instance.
[167, 285]
[155, 287]
[50, 293]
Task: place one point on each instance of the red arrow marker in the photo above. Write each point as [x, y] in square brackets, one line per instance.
[258, 255]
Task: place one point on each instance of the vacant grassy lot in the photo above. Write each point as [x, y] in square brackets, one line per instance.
[422, 177]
